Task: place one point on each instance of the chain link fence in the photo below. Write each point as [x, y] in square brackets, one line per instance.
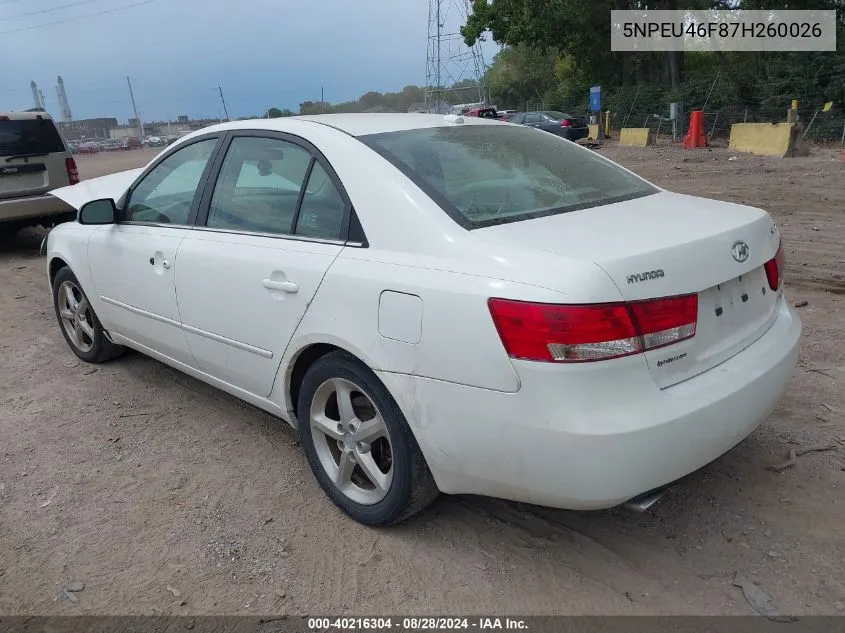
[647, 106]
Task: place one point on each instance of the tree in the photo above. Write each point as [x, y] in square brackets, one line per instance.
[578, 33]
[520, 74]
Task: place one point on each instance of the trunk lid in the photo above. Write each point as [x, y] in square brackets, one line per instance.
[112, 186]
[670, 244]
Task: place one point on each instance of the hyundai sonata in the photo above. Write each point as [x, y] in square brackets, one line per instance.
[438, 304]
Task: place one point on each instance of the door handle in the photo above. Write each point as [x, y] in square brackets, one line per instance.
[164, 263]
[284, 286]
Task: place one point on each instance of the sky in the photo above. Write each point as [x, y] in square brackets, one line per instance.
[262, 53]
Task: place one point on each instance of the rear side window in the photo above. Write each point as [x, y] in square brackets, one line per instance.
[321, 213]
[259, 185]
[29, 136]
[483, 175]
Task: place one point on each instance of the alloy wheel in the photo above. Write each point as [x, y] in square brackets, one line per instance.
[351, 440]
[76, 316]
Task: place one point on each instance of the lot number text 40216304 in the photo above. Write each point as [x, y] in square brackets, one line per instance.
[417, 624]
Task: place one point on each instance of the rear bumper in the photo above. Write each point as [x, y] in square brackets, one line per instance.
[33, 207]
[591, 437]
[577, 133]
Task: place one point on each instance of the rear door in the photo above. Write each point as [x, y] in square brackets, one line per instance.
[269, 228]
[32, 156]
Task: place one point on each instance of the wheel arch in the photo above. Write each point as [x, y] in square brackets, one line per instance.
[299, 366]
[55, 265]
[300, 357]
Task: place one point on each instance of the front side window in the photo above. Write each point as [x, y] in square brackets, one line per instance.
[166, 193]
[259, 185]
[484, 175]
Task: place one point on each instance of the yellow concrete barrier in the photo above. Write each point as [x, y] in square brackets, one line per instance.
[636, 136]
[593, 131]
[767, 139]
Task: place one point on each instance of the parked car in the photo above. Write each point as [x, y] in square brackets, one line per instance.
[484, 113]
[560, 124]
[131, 142]
[34, 158]
[506, 115]
[541, 325]
[88, 147]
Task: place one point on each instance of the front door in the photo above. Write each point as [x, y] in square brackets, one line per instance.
[133, 262]
[246, 278]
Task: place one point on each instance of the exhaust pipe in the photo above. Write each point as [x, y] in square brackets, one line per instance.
[643, 502]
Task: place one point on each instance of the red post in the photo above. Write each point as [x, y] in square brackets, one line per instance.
[695, 136]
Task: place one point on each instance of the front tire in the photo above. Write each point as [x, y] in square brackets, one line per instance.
[78, 322]
[358, 443]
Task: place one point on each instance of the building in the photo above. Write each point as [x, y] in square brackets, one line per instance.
[88, 129]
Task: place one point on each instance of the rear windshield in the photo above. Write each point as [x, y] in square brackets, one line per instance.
[29, 136]
[484, 175]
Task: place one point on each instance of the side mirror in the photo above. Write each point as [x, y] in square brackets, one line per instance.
[98, 212]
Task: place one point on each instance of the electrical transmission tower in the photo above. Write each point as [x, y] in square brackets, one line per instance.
[454, 72]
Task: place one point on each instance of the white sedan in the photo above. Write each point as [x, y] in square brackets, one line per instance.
[438, 304]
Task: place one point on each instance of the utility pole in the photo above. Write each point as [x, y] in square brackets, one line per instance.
[322, 102]
[225, 110]
[134, 107]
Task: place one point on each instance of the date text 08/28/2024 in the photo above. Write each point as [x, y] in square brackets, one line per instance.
[416, 623]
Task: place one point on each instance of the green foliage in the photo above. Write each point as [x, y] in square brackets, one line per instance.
[371, 101]
[565, 38]
[521, 74]
[275, 113]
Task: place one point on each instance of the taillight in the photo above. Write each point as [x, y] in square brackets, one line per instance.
[566, 123]
[581, 333]
[72, 171]
[774, 268]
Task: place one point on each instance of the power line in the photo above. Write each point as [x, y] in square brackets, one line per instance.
[63, 6]
[78, 17]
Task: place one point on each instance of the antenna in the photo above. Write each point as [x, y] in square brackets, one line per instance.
[223, 101]
[449, 60]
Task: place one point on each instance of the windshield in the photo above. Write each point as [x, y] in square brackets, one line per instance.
[557, 116]
[483, 175]
[29, 136]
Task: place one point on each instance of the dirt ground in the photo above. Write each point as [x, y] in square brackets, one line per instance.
[163, 495]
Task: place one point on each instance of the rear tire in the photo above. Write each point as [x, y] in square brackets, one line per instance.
[78, 322]
[359, 445]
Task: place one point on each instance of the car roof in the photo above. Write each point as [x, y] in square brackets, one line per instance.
[358, 124]
[18, 115]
